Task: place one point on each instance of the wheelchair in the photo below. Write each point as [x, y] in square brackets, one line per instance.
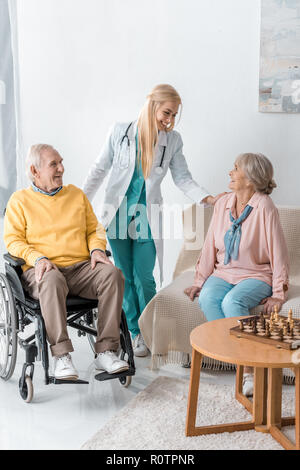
[18, 309]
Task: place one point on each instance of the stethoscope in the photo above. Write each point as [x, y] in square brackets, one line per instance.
[158, 170]
[125, 136]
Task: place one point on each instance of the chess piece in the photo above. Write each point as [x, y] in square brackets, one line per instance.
[261, 317]
[276, 316]
[241, 325]
[281, 334]
[290, 315]
[262, 321]
[267, 334]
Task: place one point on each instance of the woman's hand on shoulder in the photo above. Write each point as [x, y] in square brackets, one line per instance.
[213, 199]
[192, 292]
[269, 304]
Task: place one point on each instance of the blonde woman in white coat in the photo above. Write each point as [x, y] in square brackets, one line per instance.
[138, 155]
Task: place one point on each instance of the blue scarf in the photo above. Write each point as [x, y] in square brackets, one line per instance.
[233, 235]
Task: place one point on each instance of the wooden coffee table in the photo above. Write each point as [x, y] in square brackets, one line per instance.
[212, 339]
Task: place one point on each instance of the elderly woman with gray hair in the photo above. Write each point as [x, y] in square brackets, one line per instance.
[244, 260]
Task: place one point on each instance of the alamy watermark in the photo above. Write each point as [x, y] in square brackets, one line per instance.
[2, 92]
[296, 93]
[157, 221]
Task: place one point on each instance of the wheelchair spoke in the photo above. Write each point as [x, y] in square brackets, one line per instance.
[93, 324]
[3, 353]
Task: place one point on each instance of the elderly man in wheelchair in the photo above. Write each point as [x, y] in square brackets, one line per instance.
[53, 230]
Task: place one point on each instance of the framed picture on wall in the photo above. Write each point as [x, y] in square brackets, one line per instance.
[279, 82]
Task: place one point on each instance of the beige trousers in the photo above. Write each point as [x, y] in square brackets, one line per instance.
[105, 283]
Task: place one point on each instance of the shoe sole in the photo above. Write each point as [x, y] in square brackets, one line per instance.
[143, 354]
[68, 377]
[121, 369]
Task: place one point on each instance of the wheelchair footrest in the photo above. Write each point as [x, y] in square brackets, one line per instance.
[107, 376]
[53, 380]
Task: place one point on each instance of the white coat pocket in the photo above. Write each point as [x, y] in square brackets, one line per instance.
[122, 155]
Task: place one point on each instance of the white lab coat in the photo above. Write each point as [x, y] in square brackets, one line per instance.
[119, 159]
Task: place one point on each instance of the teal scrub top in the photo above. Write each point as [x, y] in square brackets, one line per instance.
[131, 218]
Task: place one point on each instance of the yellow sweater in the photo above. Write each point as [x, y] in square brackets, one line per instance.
[62, 227]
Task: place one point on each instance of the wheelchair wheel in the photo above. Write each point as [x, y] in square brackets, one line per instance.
[26, 389]
[8, 330]
[91, 320]
[125, 381]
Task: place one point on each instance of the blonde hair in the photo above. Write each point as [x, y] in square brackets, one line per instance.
[34, 156]
[259, 170]
[147, 125]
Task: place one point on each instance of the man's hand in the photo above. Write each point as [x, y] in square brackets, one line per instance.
[213, 199]
[192, 292]
[41, 267]
[269, 304]
[99, 257]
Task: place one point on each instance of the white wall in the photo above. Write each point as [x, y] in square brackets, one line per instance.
[87, 63]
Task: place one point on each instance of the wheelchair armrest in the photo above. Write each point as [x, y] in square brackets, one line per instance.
[13, 260]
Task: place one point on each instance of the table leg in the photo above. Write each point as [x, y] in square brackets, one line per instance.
[239, 390]
[191, 429]
[259, 406]
[193, 394]
[274, 419]
[297, 407]
[239, 379]
[274, 397]
[260, 397]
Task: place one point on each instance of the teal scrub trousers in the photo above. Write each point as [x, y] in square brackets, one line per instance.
[136, 259]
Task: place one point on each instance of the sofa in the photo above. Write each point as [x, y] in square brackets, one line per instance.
[167, 321]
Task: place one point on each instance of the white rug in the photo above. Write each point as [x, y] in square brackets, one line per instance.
[155, 420]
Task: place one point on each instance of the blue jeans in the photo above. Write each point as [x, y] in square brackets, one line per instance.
[219, 299]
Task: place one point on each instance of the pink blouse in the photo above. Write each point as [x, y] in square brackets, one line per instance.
[263, 253]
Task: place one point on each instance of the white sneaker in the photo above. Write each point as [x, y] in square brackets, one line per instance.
[248, 385]
[139, 347]
[110, 362]
[64, 368]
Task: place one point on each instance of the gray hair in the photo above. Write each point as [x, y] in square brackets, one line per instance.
[259, 170]
[34, 157]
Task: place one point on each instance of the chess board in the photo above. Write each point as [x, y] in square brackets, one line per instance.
[277, 330]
